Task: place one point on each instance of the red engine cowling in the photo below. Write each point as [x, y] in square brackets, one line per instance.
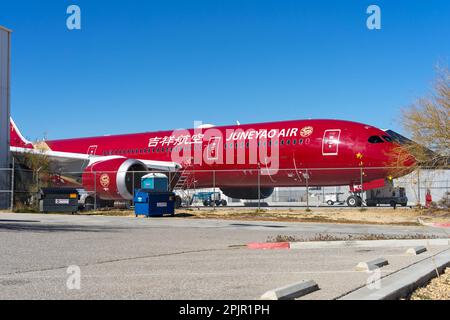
[114, 179]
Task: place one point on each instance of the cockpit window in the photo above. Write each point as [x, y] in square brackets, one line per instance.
[387, 138]
[375, 139]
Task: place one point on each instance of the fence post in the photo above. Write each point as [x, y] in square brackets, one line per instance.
[95, 190]
[38, 182]
[307, 190]
[418, 186]
[446, 191]
[133, 185]
[12, 185]
[259, 187]
[214, 190]
[362, 183]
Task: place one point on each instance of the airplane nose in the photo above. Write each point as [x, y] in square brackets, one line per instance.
[401, 156]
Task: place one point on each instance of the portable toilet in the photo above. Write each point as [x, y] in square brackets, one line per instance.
[157, 182]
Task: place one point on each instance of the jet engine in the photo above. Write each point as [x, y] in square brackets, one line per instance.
[114, 179]
[247, 193]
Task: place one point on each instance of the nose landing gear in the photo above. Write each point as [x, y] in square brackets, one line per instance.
[354, 201]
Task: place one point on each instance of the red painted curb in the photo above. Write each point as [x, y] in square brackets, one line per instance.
[441, 225]
[269, 245]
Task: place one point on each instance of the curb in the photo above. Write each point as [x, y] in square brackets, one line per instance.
[268, 245]
[416, 250]
[350, 244]
[371, 265]
[400, 284]
[441, 225]
[291, 291]
[434, 224]
[369, 243]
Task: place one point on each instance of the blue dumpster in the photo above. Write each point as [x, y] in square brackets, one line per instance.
[150, 203]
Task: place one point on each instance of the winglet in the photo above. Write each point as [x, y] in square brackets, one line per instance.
[17, 139]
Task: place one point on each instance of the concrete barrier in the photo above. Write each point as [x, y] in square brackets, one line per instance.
[400, 284]
[371, 265]
[369, 243]
[291, 291]
[416, 250]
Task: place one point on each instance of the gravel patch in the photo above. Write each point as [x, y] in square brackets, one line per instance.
[437, 289]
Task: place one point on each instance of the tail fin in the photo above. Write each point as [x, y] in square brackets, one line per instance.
[17, 139]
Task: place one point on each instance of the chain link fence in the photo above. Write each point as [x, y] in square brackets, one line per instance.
[252, 187]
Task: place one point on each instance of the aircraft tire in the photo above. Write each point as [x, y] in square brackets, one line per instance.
[352, 201]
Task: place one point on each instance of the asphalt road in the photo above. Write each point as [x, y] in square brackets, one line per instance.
[177, 258]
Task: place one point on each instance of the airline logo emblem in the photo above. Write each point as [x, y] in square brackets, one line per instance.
[104, 180]
[306, 131]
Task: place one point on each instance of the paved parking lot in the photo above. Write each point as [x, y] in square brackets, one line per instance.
[174, 258]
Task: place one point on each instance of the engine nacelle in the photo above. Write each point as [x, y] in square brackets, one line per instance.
[113, 179]
[247, 193]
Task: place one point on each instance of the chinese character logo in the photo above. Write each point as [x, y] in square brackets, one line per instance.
[104, 180]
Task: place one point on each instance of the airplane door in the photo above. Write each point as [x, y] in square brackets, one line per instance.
[330, 142]
[213, 149]
[92, 150]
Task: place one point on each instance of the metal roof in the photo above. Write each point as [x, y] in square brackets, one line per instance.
[5, 29]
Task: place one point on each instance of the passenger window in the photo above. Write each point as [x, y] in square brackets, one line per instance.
[294, 142]
[288, 142]
[375, 139]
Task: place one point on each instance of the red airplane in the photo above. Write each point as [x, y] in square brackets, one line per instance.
[235, 158]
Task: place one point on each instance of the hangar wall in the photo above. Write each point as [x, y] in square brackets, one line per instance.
[5, 179]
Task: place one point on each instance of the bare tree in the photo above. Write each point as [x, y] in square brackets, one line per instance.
[428, 123]
[32, 172]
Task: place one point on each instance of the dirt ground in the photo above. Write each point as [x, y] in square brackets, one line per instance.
[437, 289]
[332, 215]
[383, 216]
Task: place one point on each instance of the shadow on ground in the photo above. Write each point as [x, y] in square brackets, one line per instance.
[35, 226]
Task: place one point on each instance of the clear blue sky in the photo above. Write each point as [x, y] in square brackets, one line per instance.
[149, 65]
